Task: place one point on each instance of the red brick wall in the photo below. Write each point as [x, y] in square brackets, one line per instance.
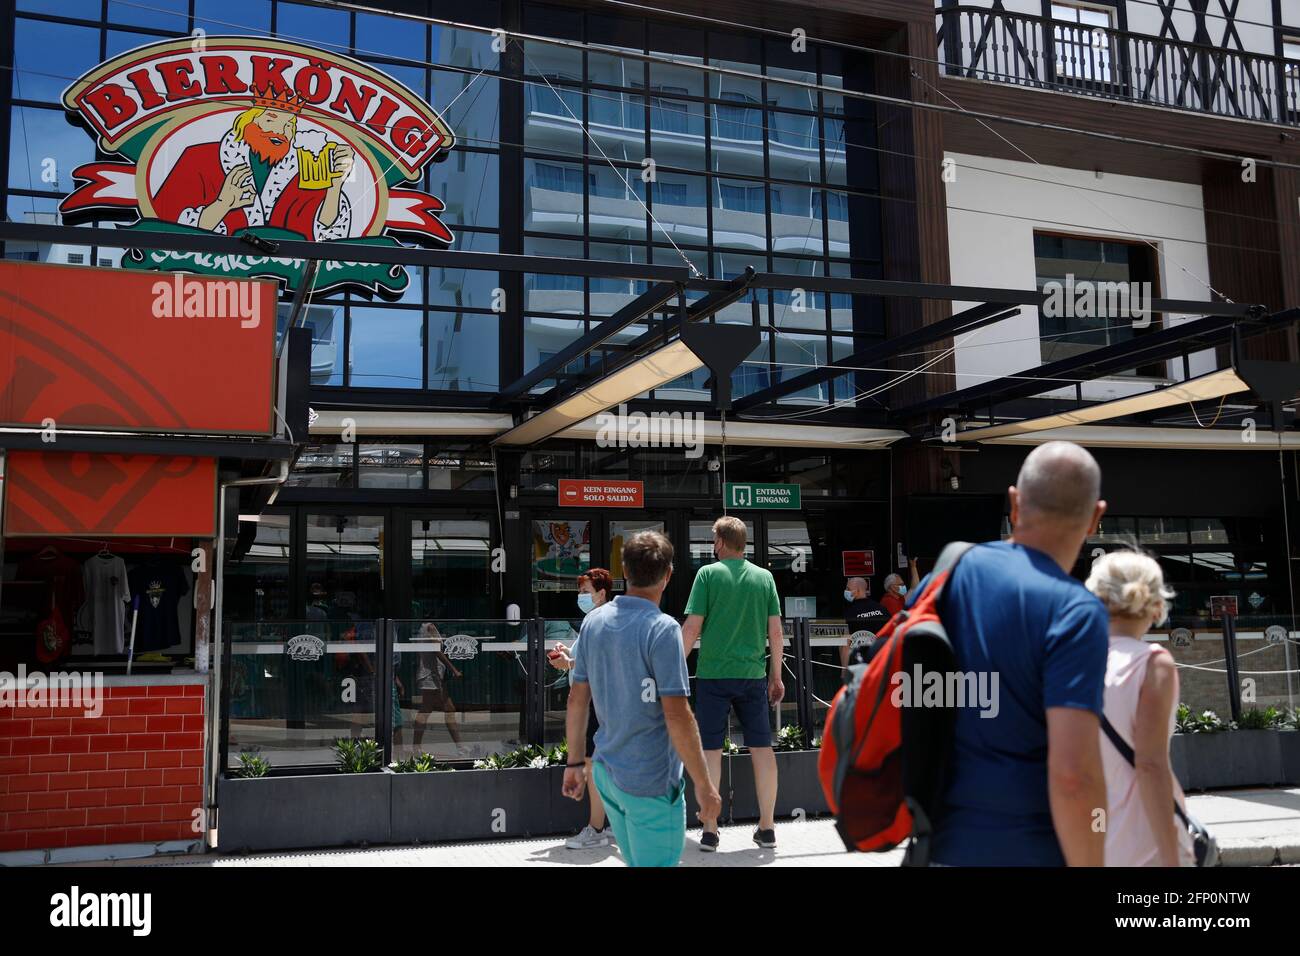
[132, 775]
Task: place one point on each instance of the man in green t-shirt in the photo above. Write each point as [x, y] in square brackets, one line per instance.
[735, 615]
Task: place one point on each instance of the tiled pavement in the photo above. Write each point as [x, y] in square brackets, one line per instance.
[1253, 827]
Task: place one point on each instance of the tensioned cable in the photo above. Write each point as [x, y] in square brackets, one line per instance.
[837, 91]
[695, 273]
[525, 80]
[1167, 254]
[787, 35]
[620, 98]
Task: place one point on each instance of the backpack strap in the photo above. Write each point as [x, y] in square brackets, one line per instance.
[1125, 751]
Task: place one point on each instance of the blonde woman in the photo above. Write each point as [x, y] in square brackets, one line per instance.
[1141, 697]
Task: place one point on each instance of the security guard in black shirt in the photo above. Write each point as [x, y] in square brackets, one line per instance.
[864, 617]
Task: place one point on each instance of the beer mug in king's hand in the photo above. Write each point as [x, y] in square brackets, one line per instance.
[316, 170]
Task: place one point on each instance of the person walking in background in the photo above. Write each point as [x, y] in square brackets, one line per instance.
[734, 614]
[1024, 780]
[864, 617]
[595, 589]
[896, 591]
[1141, 699]
[630, 661]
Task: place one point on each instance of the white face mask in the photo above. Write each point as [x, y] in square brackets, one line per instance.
[848, 595]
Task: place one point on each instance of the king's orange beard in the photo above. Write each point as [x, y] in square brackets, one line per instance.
[260, 144]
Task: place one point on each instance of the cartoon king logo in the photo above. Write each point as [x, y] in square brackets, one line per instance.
[233, 135]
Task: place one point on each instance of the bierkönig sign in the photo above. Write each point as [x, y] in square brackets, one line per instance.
[235, 135]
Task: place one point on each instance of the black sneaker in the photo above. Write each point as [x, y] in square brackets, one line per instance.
[765, 838]
[708, 842]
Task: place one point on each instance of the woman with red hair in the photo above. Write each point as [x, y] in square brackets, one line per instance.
[595, 588]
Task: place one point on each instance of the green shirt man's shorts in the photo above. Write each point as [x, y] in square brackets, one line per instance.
[735, 598]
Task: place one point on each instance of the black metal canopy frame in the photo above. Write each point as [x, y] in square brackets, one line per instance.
[1221, 322]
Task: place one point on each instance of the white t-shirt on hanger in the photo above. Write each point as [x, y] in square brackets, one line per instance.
[104, 578]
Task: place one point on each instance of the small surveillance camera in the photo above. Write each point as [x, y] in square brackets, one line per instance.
[714, 464]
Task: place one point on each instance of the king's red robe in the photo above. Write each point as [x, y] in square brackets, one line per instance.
[195, 182]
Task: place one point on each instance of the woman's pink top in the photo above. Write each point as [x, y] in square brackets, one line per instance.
[1129, 838]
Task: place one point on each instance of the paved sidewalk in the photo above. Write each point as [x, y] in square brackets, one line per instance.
[1253, 827]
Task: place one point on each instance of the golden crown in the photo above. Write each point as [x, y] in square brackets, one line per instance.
[288, 101]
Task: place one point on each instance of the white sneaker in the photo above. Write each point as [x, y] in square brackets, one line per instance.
[588, 839]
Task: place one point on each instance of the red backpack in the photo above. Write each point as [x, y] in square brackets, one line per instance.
[881, 765]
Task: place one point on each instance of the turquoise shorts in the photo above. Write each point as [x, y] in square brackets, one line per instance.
[651, 831]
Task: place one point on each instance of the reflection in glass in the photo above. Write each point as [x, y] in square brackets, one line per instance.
[391, 466]
[386, 348]
[324, 466]
[256, 587]
[463, 351]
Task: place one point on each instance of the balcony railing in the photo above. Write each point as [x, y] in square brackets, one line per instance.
[1114, 64]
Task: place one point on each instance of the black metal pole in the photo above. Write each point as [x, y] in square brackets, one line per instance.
[1229, 626]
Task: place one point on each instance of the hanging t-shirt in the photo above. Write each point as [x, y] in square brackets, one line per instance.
[160, 588]
[104, 579]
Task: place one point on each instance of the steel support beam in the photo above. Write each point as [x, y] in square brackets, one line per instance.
[631, 313]
[965, 321]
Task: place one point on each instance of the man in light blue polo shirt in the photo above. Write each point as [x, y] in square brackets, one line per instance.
[629, 660]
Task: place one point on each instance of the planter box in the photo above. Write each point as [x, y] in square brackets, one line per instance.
[477, 804]
[1289, 744]
[1233, 758]
[797, 788]
[307, 810]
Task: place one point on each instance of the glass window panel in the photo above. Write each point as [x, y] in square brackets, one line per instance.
[459, 466]
[463, 349]
[741, 54]
[544, 292]
[386, 348]
[544, 337]
[117, 43]
[44, 150]
[677, 132]
[474, 114]
[1114, 530]
[390, 36]
[739, 214]
[803, 309]
[737, 144]
[324, 466]
[344, 567]
[256, 587]
[233, 16]
[617, 125]
[796, 219]
[325, 322]
[395, 466]
[468, 183]
[553, 196]
[786, 63]
[679, 208]
[553, 119]
[681, 43]
[462, 288]
[755, 372]
[165, 14]
[451, 568]
[616, 204]
[317, 24]
[701, 543]
[1162, 531]
[607, 296]
[85, 9]
[615, 33]
[467, 48]
[1208, 531]
[796, 353]
[33, 40]
[844, 386]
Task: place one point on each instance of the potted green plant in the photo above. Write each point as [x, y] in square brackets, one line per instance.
[798, 792]
[1209, 753]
